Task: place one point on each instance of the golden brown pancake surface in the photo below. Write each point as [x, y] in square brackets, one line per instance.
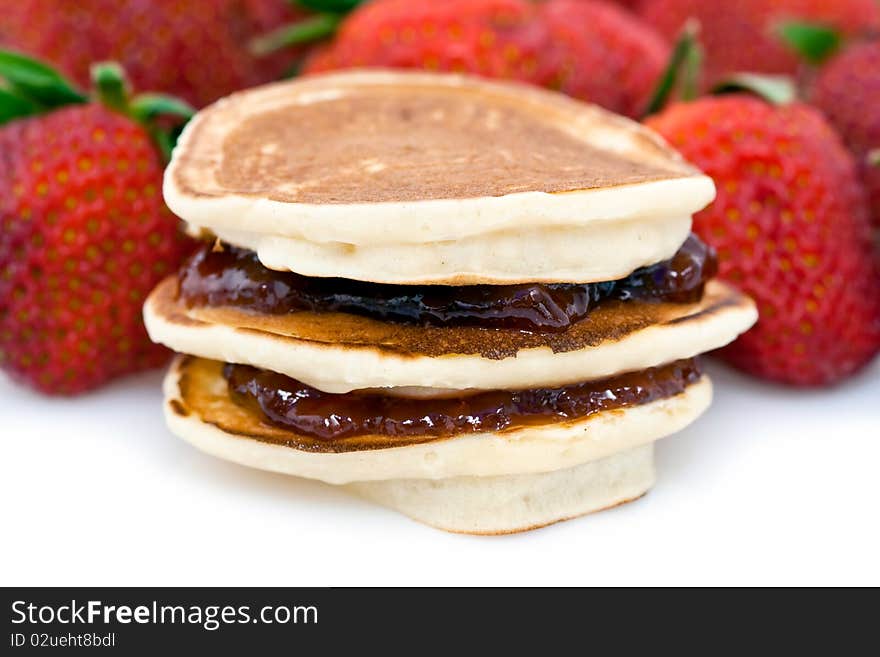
[409, 139]
[392, 146]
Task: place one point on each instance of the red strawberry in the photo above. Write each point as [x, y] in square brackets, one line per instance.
[195, 49]
[592, 50]
[791, 229]
[847, 89]
[85, 236]
[497, 38]
[740, 36]
[632, 5]
[605, 55]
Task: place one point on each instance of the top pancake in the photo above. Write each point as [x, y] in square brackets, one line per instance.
[373, 157]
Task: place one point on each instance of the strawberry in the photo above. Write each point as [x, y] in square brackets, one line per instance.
[740, 36]
[195, 49]
[791, 229]
[495, 38]
[85, 233]
[607, 56]
[847, 90]
[632, 5]
[589, 49]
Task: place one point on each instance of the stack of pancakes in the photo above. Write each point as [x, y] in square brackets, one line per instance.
[476, 303]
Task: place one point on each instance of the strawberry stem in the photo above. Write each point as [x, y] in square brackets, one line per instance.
[110, 84]
[112, 90]
[314, 28]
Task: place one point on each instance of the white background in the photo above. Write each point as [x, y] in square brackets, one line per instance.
[771, 486]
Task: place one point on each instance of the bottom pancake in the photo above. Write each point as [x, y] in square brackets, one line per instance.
[516, 503]
[199, 409]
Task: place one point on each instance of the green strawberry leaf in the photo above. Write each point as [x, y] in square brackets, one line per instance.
[775, 89]
[692, 71]
[293, 69]
[341, 6]
[37, 82]
[14, 107]
[164, 142]
[314, 28]
[685, 55]
[874, 157]
[29, 87]
[815, 43]
[147, 107]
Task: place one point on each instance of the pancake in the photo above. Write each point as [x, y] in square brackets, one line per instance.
[425, 178]
[606, 251]
[436, 179]
[516, 503]
[199, 410]
[337, 352]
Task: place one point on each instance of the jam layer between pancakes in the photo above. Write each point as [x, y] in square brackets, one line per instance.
[235, 277]
[290, 404]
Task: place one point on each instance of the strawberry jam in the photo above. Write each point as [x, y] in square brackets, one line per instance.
[235, 277]
[290, 404]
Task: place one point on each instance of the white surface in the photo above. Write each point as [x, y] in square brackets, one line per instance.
[772, 486]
